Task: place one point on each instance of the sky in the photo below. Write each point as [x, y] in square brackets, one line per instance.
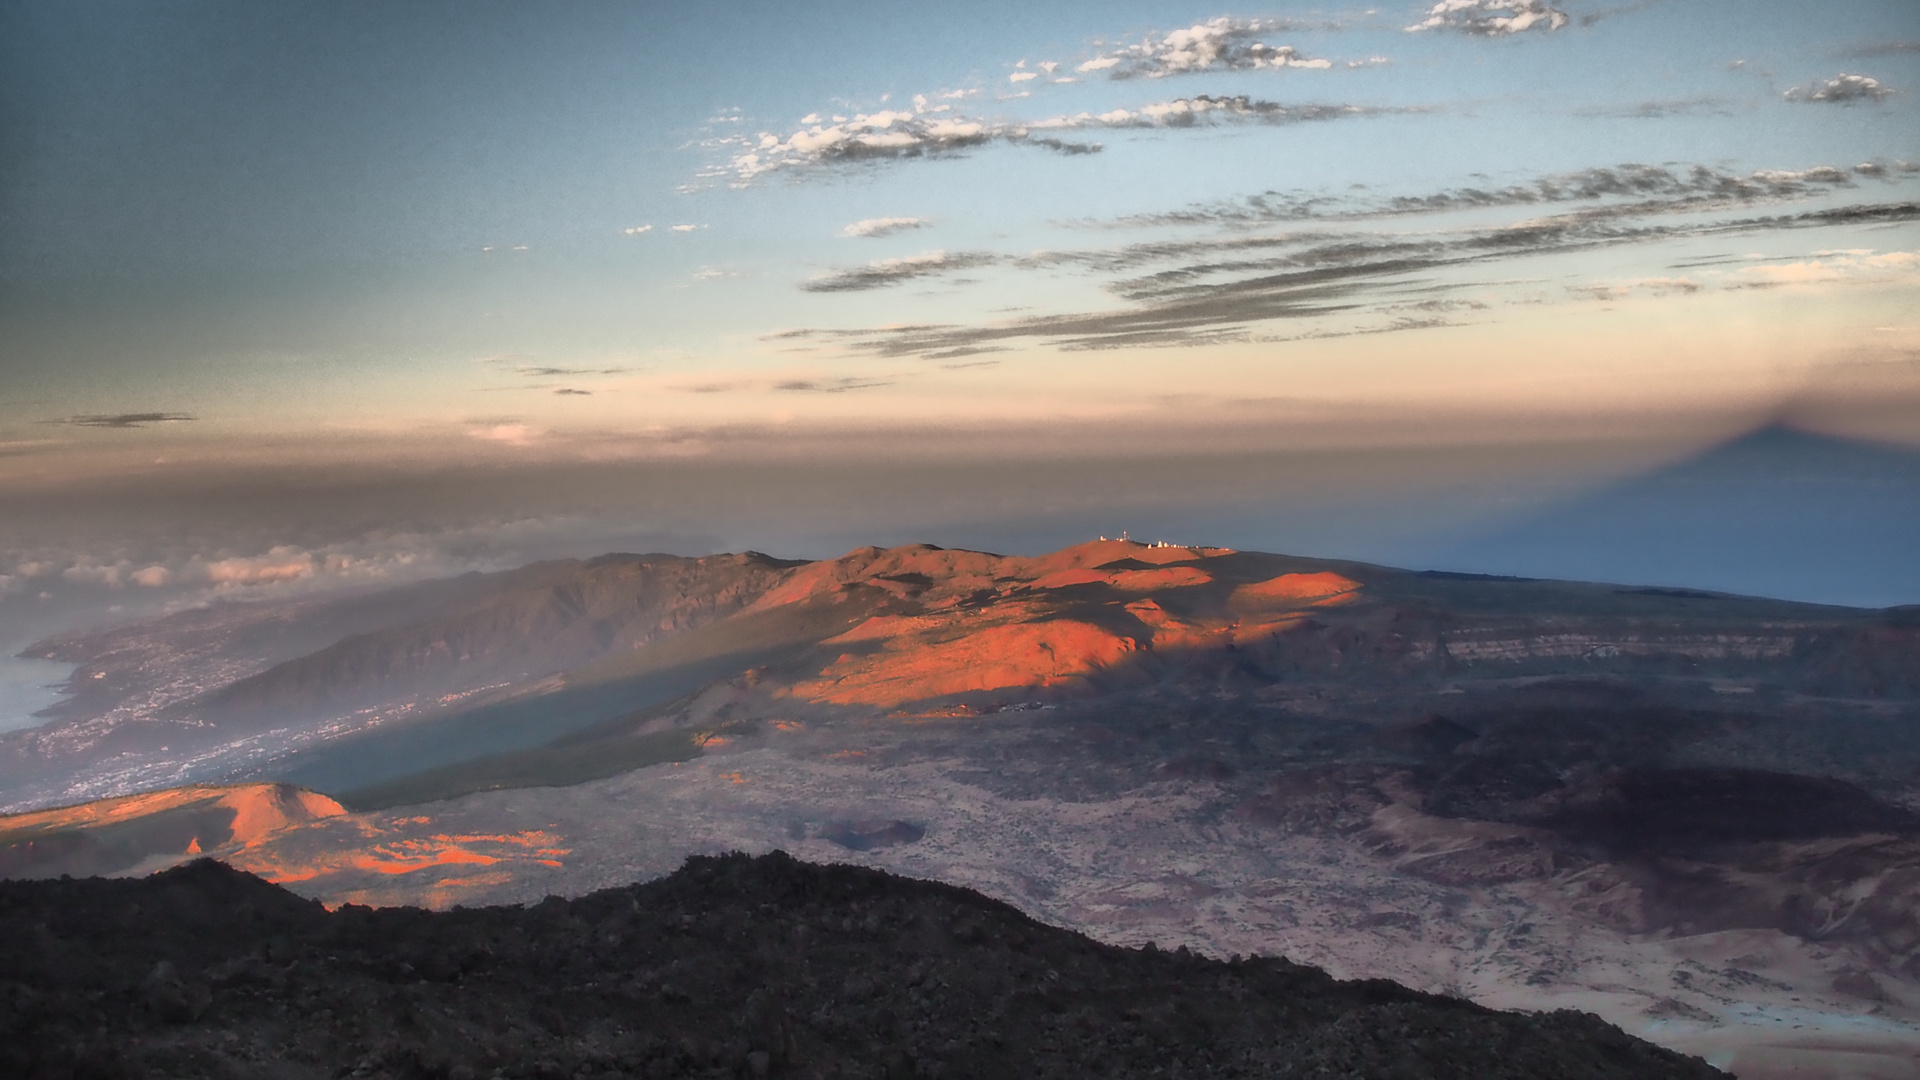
[297, 296]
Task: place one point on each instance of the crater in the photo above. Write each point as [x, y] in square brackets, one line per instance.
[871, 835]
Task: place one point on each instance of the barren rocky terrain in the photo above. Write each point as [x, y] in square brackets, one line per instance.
[730, 967]
[1696, 816]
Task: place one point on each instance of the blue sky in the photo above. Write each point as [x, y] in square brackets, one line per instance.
[306, 219]
[248, 247]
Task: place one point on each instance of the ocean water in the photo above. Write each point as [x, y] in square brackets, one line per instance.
[27, 686]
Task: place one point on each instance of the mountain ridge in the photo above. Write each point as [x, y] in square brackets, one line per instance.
[729, 966]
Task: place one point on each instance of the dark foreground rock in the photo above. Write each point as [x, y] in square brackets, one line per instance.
[731, 967]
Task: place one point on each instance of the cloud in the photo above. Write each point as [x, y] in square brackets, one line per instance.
[903, 134]
[684, 228]
[553, 372]
[91, 574]
[1658, 286]
[830, 386]
[1491, 18]
[885, 272]
[638, 230]
[887, 135]
[884, 226]
[1832, 266]
[1841, 90]
[152, 577]
[509, 432]
[1222, 44]
[1199, 110]
[1627, 188]
[1887, 48]
[283, 563]
[1659, 110]
[568, 391]
[1218, 288]
[123, 420]
[926, 125]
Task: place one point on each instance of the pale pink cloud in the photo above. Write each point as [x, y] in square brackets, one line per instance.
[282, 563]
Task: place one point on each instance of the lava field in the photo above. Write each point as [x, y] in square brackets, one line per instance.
[730, 967]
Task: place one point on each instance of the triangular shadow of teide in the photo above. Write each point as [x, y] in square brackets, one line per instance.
[1778, 512]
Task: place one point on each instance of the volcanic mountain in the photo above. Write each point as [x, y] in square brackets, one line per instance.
[1690, 812]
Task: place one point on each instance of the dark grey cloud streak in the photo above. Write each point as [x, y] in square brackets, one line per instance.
[885, 272]
[550, 372]
[123, 420]
[1217, 288]
[837, 385]
[1670, 188]
[1660, 110]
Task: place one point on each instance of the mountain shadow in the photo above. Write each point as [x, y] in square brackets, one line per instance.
[1778, 512]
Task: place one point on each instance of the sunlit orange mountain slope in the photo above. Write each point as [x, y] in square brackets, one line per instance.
[562, 650]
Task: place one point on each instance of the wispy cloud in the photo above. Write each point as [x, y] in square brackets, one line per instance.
[904, 134]
[1204, 109]
[884, 226]
[884, 272]
[838, 385]
[1886, 48]
[1841, 90]
[123, 420]
[554, 372]
[1491, 18]
[1218, 288]
[1660, 110]
[1636, 188]
[1222, 44]
[504, 432]
[1831, 266]
[932, 125]
[887, 135]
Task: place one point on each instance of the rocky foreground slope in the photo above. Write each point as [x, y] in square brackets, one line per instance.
[732, 966]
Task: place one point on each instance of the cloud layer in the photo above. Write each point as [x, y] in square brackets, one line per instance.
[931, 125]
[1220, 287]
